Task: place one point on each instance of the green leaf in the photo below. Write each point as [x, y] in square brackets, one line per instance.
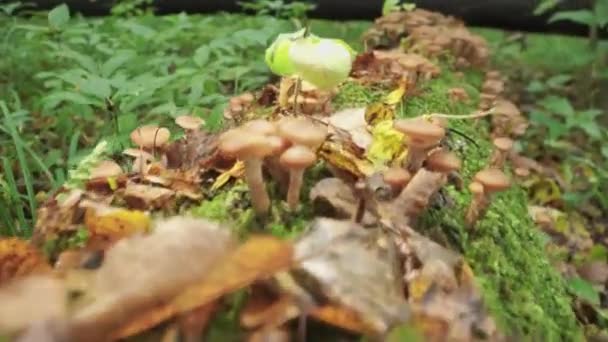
[59, 16]
[585, 17]
[536, 87]
[389, 6]
[53, 100]
[544, 6]
[601, 12]
[118, 59]
[605, 150]
[558, 105]
[555, 127]
[584, 290]
[201, 56]
[96, 86]
[558, 81]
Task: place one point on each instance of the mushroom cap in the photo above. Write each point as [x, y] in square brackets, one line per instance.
[505, 107]
[189, 122]
[244, 144]
[278, 144]
[150, 136]
[302, 131]
[521, 172]
[260, 126]
[503, 144]
[298, 157]
[396, 176]
[443, 161]
[138, 153]
[493, 180]
[476, 188]
[106, 168]
[420, 131]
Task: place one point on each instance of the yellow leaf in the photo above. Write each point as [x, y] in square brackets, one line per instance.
[386, 145]
[114, 224]
[19, 258]
[340, 158]
[235, 172]
[395, 96]
[378, 112]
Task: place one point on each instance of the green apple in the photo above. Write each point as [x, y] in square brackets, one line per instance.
[277, 54]
[325, 63]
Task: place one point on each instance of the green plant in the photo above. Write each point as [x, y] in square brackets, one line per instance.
[129, 8]
[395, 6]
[294, 10]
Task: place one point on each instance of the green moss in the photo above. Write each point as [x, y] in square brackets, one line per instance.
[506, 251]
[356, 95]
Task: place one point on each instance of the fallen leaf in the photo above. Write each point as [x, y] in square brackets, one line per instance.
[340, 158]
[19, 258]
[31, 300]
[257, 258]
[352, 121]
[332, 197]
[327, 254]
[342, 317]
[379, 112]
[387, 144]
[108, 224]
[237, 171]
[145, 197]
[140, 272]
[395, 96]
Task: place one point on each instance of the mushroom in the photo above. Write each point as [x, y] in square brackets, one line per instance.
[423, 136]
[486, 182]
[150, 137]
[260, 126]
[251, 148]
[443, 162]
[189, 123]
[502, 146]
[397, 178]
[521, 172]
[297, 158]
[106, 169]
[302, 131]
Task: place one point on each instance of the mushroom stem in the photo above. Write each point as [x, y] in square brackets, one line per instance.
[255, 181]
[284, 86]
[415, 158]
[476, 208]
[360, 194]
[298, 85]
[295, 184]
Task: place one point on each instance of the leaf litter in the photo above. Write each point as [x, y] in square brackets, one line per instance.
[359, 265]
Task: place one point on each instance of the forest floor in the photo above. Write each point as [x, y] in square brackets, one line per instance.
[165, 242]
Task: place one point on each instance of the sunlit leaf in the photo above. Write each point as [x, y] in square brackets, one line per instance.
[395, 96]
[585, 17]
[113, 224]
[386, 145]
[378, 112]
[236, 171]
[59, 16]
[584, 290]
[389, 6]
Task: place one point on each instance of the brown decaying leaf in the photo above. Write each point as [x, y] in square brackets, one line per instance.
[343, 317]
[31, 300]
[257, 258]
[146, 197]
[19, 258]
[143, 271]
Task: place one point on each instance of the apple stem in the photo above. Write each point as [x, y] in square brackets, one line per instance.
[296, 94]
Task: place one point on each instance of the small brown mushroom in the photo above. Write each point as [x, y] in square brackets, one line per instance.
[521, 172]
[423, 136]
[251, 148]
[260, 126]
[189, 122]
[297, 158]
[486, 182]
[502, 147]
[302, 131]
[150, 137]
[443, 162]
[397, 178]
[106, 169]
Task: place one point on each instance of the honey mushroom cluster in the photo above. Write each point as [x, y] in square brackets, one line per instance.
[508, 120]
[485, 183]
[421, 137]
[294, 140]
[491, 89]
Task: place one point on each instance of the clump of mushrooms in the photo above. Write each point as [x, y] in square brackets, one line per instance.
[502, 147]
[397, 178]
[486, 183]
[422, 137]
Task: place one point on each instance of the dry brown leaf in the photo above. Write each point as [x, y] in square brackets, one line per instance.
[140, 272]
[19, 258]
[352, 121]
[31, 300]
[264, 309]
[257, 258]
[146, 197]
[344, 318]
